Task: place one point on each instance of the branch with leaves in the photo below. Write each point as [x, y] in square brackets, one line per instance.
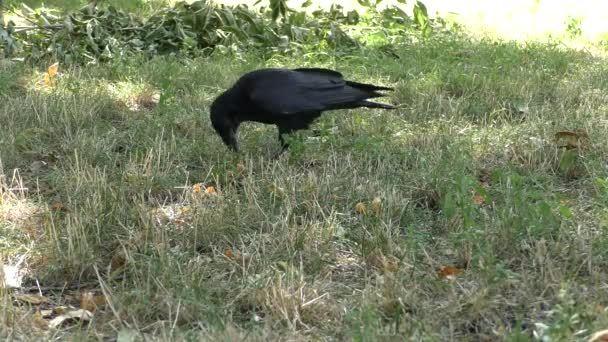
[200, 27]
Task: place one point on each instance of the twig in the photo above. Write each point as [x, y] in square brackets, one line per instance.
[28, 28]
[17, 14]
[42, 289]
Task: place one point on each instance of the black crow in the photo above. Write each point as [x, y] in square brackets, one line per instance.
[289, 99]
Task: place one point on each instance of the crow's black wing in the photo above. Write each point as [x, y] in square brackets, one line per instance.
[304, 90]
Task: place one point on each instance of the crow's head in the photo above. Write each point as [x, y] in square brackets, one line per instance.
[223, 121]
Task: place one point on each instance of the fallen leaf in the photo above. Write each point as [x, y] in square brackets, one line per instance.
[277, 190]
[90, 301]
[198, 187]
[86, 301]
[375, 260]
[228, 253]
[240, 167]
[360, 208]
[52, 70]
[118, 261]
[60, 310]
[46, 80]
[39, 322]
[388, 264]
[571, 139]
[376, 205]
[391, 264]
[46, 313]
[449, 272]
[147, 100]
[58, 206]
[282, 266]
[477, 198]
[80, 314]
[11, 276]
[33, 299]
[127, 335]
[243, 259]
[600, 336]
[37, 167]
[159, 215]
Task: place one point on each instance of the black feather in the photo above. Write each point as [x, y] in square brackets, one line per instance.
[289, 99]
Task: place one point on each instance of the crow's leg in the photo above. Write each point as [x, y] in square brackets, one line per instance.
[283, 130]
[303, 121]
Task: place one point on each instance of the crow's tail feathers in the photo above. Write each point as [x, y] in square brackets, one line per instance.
[370, 104]
[366, 87]
[370, 91]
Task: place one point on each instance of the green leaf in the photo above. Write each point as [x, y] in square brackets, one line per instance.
[426, 31]
[278, 7]
[420, 14]
[565, 212]
[27, 10]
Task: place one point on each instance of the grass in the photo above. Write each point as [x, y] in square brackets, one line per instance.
[97, 176]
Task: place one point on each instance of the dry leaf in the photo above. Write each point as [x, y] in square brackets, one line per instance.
[375, 260]
[282, 266]
[86, 301]
[60, 310]
[277, 190]
[89, 301]
[388, 264]
[159, 215]
[80, 314]
[243, 259]
[198, 187]
[210, 190]
[600, 336]
[47, 80]
[38, 167]
[33, 299]
[240, 167]
[58, 206]
[11, 276]
[360, 208]
[46, 313]
[127, 335]
[449, 272]
[118, 261]
[477, 198]
[228, 253]
[571, 139]
[391, 264]
[99, 300]
[39, 322]
[52, 70]
[376, 205]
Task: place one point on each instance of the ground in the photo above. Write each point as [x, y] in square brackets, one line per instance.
[476, 211]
